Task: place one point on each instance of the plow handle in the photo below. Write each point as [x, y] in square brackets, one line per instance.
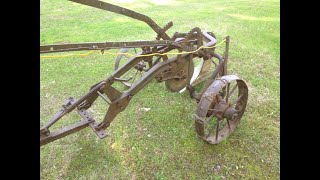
[120, 10]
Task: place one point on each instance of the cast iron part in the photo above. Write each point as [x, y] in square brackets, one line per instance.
[216, 100]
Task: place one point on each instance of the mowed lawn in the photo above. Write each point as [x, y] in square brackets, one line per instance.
[161, 143]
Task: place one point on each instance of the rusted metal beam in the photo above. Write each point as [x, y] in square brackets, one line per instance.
[226, 56]
[127, 12]
[45, 139]
[51, 48]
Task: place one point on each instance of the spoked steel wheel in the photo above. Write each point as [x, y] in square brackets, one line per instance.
[120, 56]
[221, 108]
[132, 75]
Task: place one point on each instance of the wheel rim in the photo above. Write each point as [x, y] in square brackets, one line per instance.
[119, 57]
[132, 75]
[221, 109]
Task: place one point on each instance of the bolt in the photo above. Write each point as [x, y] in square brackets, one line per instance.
[45, 131]
[235, 116]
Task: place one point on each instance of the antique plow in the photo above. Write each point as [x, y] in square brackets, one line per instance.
[181, 61]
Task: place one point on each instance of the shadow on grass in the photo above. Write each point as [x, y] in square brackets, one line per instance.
[95, 159]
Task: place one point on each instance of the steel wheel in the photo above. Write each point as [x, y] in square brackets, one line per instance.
[132, 75]
[119, 57]
[221, 108]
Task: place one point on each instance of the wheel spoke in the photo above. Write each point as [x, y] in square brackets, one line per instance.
[214, 63]
[128, 74]
[208, 119]
[228, 123]
[236, 101]
[234, 88]
[212, 129]
[228, 89]
[134, 76]
[217, 129]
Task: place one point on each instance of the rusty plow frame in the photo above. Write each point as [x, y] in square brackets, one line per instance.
[221, 101]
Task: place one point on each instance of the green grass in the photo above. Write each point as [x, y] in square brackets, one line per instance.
[162, 143]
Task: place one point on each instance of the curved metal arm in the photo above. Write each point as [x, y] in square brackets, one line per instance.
[126, 12]
[207, 36]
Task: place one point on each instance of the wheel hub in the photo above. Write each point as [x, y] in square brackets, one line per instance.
[224, 110]
[231, 113]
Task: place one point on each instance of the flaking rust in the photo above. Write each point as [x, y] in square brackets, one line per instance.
[221, 101]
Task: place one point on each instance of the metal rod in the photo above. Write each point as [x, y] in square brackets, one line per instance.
[234, 88]
[217, 130]
[226, 56]
[127, 12]
[51, 48]
[209, 118]
[63, 132]
[234, 102]
[228, 123]
[103, 97]
[228, 89]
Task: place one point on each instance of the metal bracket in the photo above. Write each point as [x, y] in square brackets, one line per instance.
[101, 133]
[199, 119]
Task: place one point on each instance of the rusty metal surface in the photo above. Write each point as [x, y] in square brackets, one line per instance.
[176, 72]
[214, 105]
[52, 136]
[179, 75]
[51, 48]
[127, 12]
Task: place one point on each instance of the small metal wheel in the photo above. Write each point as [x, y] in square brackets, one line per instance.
[119, 57]
[221, 108]
[133, 74]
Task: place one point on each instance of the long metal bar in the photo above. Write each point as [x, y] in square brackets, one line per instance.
[63, 132]
[51, 48]
[104, 98]
[127, 12]
[226, 56]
